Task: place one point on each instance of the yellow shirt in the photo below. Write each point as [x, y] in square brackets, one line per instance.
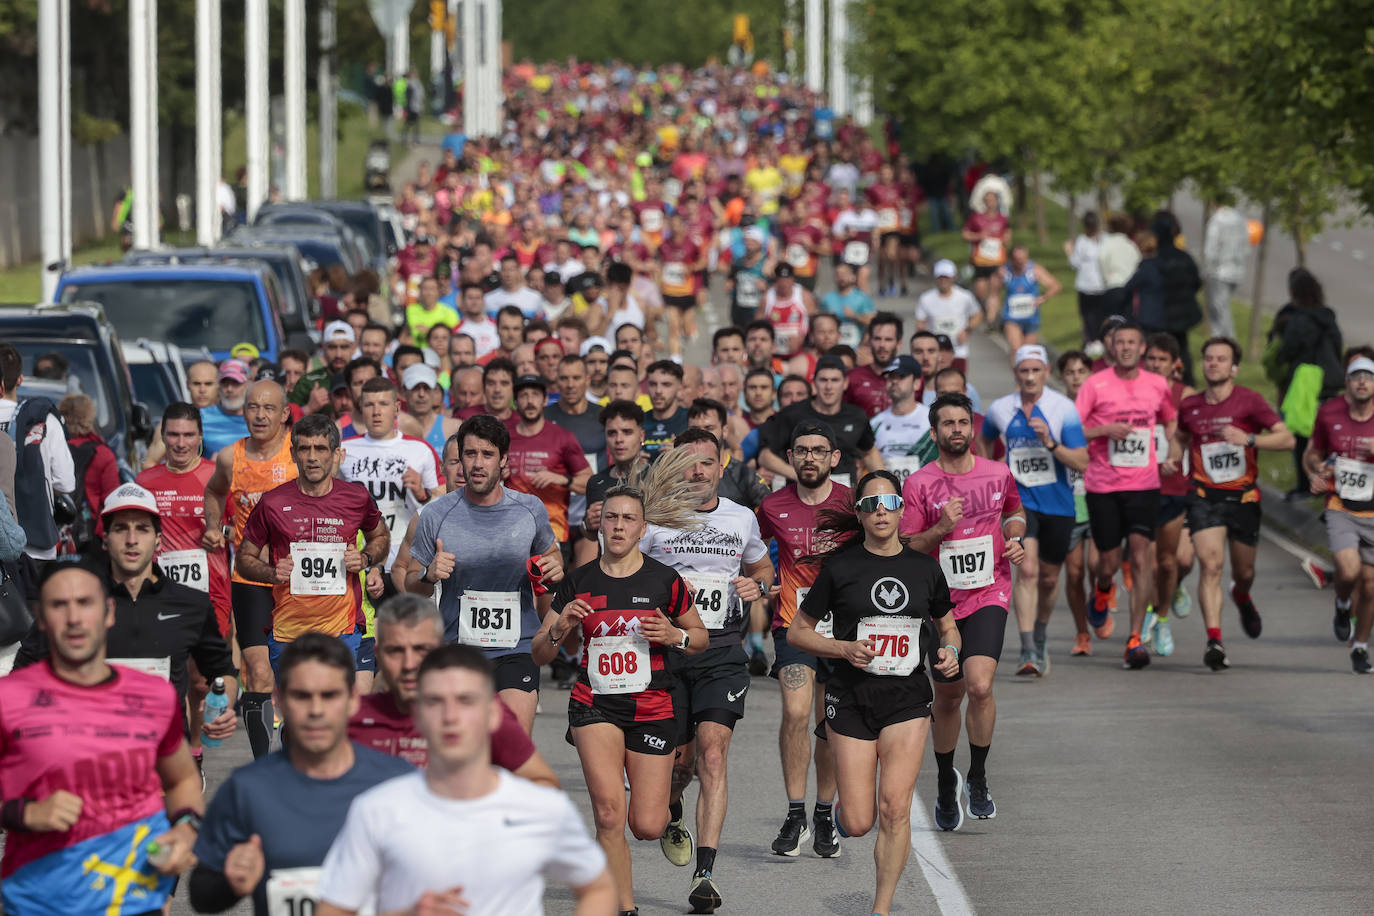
[767, 183]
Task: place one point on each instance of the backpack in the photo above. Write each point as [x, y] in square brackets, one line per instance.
[32, 492]
[83, 529]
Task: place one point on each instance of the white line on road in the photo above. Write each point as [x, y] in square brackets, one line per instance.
[930, 855]
[1337, 246]
[1357, 254]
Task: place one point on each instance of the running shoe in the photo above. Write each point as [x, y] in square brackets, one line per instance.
[1042, 658]
[1136, 656]
[1102, 603]
[1082, 645]
[703, 896]
[1359, 661]
[1164, 639]
[1320, 575]
[1249, 617]
[633, 912]
[677, 844]
[758, 664]
[1215, 658]
[794, 832]
[825, 838]
[980, 803]
[949, 809]
[1182, 604]
[1105, 631]
[1340, 624]
[1126, 578]
[1147, 632]
[1026, 666]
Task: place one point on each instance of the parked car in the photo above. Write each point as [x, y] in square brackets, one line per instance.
[320, 244]
[158, 374]
[201, 308]
[299, 307]
[83, 335]
[357, 214]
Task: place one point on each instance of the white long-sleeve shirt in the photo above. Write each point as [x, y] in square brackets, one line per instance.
[58, 466]
[1084, 260]
[1225, 244]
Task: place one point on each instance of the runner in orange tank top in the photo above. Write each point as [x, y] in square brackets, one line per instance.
[243, 472]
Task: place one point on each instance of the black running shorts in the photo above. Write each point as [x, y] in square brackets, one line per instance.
[863, 709]
[516, 671]
[252, 613]
[657, 738]
[1241, 520]
[1113, 516]
[1051, 533]
[981, 633]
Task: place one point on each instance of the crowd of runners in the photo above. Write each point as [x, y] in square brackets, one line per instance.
[410, 538]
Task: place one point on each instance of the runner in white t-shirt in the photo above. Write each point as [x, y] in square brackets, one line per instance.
[461, 835]
[948, 309]
[897, 431]
[401, 472]
[727, 565]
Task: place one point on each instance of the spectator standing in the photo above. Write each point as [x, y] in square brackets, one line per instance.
[97, 471]
[1225, 242]
[1181, 284]
[1084, 254]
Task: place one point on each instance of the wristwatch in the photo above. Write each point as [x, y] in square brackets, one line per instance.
[763, 587]
[424, 575]
[1018, 538]
[186, 816]
[686, 641]
[1251, 441]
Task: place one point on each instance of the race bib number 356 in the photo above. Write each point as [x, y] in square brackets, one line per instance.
[1354, 480]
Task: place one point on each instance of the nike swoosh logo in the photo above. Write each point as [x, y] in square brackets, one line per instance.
[732, 697]
[162, 616]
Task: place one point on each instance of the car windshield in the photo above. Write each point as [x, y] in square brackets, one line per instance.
[189, 313]
[86, 374]
[365, 224]
[153, 386]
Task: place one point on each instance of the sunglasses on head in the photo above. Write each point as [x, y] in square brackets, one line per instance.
[889, 501]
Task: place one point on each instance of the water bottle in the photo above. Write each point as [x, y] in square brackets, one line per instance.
[158, 855]
[216, 703]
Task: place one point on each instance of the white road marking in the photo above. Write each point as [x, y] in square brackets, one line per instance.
[1337, 246]
[1357, 254]
[945, 885]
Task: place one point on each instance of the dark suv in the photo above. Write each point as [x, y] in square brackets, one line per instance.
[80, 332]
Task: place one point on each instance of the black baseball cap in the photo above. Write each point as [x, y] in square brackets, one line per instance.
[902, 365]
[531, 381]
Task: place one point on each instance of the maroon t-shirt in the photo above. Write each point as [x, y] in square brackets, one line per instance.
[866, 389]
[380, 725]
[554, 449]
[1215, 467]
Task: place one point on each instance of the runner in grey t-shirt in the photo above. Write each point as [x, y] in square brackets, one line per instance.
[475, 543]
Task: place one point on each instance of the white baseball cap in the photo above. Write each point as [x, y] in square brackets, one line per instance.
[591, 343]
[419, 374]
[130, 496]
[757, 234]
[1031, 351]
[337, 329]
[945, 268]
[1359, 364]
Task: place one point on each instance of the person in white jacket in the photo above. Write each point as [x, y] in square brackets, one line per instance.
[1225, 243]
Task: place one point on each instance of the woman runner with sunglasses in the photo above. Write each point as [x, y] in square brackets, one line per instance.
[877, 701]
[626, 609]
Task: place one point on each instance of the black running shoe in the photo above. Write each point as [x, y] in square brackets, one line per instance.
[980, 803]
[1340, 625]
[1249, 617]
[1215, 657]
[949, 810]
[794, 832]
[703, 896]
[1359, 661]
[758, 664]
[825, 838]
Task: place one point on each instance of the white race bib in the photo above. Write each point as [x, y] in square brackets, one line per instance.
[592, 460]
[967, 562]
[296, 892]
[1223, 461]
[1161, 443]
[157, 667]
[850, 334]
[618, 664]
[1076, 481]
[896, 644]
[1032, 465]
[889, 219]
[396, 514]
[949, 325]
[1021, 306]
[856, 254]
[1354, 480]
[651, 220]
[825, 626]
[187, 567]
[902, 465]
[318, 569]
[844, 480]
[489, 620]
[711, 595]
[779, 482]
[797, 255]
[1131, 452]
[674, 274]
[990, 249]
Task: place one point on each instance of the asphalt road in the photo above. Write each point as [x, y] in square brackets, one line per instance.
[1168, 790]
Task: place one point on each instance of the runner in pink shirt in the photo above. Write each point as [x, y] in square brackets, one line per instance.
[1119, 407]
[967, 511]
[94, 766]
